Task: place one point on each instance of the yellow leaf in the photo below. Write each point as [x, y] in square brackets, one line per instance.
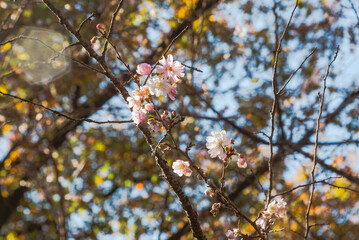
[98, 180]
[19, 106]
[4, 194]
[3, 89]
[6, 47]
[11, 236]
[100, 147]
[6, 128]
[181, 12]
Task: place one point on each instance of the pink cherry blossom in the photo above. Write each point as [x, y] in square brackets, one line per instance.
[155, 125]
[281, 208]
[144, 69]
[262, 222]
[182, 168]
[148, 107]
[171, 70]
[134, 103]
[172, 92]
[230, 235]
[138, 117]
[242, 163]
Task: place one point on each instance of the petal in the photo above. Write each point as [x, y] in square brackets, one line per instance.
[170, 59]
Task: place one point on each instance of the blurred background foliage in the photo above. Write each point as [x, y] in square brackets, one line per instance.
[99, 181]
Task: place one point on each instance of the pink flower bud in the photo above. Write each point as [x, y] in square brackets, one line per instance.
[164, 116]
[149, 107]
[99, 26]
[144, 69]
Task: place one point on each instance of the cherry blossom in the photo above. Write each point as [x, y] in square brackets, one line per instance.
[216, 143]
[134, 104]
[148, 107]
[155, 125]
[182, 168]
[138, 116]
[170, 70]
[173, 92]
[144, 69]
[242, 162]
[158, 87]
[230, 235]
[281, 208]
[262, 222]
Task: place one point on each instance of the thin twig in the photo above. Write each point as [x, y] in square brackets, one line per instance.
[291, 76]
[275, 100]
[323, 181]
[193, 68]
[112, 24]
[355, 11]
[316, 145]
[62, 114]
[84, 22]
[165, 52]
[121, 59]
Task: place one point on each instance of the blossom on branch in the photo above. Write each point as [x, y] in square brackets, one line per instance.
[241, 162]
[275, 209]
[170, 70]
[138, 117]
[231, 235]
[158, 87]
[216, 143]
[182, 168]
[144, 69]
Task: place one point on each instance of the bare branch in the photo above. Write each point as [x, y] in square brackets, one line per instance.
[291, 76]
[62, 114]
[112, 24]
[274, 105]
[316, 145]
[84, 22]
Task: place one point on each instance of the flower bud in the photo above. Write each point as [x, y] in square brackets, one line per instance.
[164, 116]
[93, 40]
[208, 191]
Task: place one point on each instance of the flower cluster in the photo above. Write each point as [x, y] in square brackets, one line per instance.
[160, 84]
[182, 168]
[275, 209]
[219, 145]
[232, 234]
[140, 104]
[215, 208]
